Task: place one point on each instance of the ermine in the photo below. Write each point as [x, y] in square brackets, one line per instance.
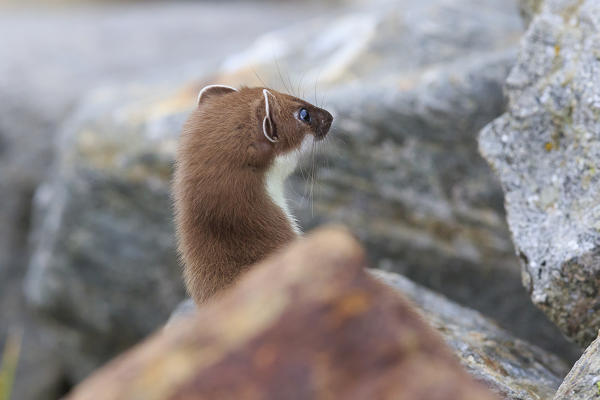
[234, 154]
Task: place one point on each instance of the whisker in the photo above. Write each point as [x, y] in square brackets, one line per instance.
[259, 78]
[300, 83]
[281, 76]
[316, 103]
[291, 84]
[312, 180]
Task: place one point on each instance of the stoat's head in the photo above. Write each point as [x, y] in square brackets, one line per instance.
[265, 123]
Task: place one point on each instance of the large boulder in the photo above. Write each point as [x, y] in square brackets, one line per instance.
[545, 151]
[306, 323]
[105, 266]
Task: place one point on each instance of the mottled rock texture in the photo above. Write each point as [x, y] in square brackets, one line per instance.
[545, 150]
[104, 265]
[529, 8]
[308, 323]
[512, 368]
[583, 382]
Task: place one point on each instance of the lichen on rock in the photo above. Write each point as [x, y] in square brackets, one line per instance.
[545, 150]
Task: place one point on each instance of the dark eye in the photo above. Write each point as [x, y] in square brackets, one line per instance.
[304, 115]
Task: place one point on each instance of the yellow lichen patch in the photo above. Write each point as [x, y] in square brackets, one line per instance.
[8, 367]
[351, 305]
[252, 75]
[160, 104]
[557, 50]
[181, 101]
[100, 154]
[411, 341]
[167, 372]
[494, 365]
[250, 318]
[549, 146]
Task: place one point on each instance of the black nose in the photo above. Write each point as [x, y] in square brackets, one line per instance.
[325, 120]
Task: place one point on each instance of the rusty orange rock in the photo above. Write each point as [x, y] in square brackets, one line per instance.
[308, 323]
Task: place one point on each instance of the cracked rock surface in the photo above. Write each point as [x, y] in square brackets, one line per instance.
[545, 150]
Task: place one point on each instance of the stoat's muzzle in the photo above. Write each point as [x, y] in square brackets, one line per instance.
[324, 120]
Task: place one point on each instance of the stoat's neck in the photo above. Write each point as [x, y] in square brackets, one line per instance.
[282, 168]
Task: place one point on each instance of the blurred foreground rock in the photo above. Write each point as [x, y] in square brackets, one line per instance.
[545, 150]
[512, 368]
[583, 382]
[307, 323]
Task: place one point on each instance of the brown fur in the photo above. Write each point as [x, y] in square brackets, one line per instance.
[225, 219]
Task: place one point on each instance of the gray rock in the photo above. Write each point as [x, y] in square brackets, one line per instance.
[184, 309]
[545, 150]
[583, 382]
[105, 265]
[529, 8]
[511, 367]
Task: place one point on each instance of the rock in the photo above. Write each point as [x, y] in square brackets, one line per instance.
[529, 8]
[23, 159]
[306, 323]
[545, 150]
[184, 309]
[511, 367]
[105, 238]
[583, 382]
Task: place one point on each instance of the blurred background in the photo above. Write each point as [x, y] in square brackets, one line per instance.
[93, 95]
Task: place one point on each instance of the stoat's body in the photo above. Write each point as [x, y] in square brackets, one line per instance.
[235, 152]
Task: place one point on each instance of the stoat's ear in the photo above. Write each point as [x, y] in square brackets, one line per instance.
[214, 90]
[268, 126]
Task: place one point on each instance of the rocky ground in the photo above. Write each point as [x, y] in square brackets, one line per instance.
[411, 84]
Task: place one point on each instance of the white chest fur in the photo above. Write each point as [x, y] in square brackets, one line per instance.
[281, 169]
